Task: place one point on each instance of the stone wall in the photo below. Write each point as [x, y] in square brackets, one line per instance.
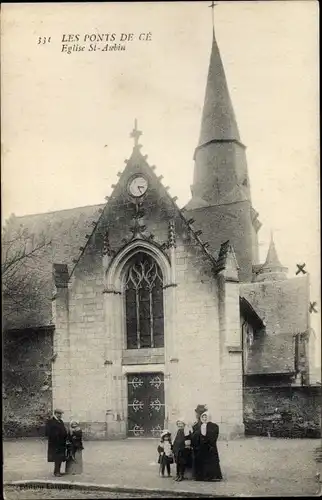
[282, 411]
[90, 338]
[27, 382]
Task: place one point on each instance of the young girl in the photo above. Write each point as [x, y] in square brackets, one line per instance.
[165, 453]
[74, 462]
[182, 448]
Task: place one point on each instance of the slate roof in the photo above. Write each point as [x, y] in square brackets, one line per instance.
[68, 232]
[218, 117]
[283, 306]
[250, 314]
[65, 230]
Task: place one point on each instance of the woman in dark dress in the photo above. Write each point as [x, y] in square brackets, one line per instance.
[74, 462]
[194, 441]
[206, 457]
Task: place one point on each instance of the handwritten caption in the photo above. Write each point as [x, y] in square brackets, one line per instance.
[94, 42]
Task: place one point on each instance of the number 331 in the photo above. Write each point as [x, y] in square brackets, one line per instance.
[43, 40]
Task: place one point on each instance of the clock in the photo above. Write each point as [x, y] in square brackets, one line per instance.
[138, 186]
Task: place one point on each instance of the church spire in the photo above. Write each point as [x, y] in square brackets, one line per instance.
[272, 269]
[220, 173]
[218, 118]
[221, 196]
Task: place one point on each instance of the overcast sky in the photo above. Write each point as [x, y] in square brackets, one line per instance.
[66, 119]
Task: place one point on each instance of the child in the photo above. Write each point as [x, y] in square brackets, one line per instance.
[182, 448]
[165, 453]
[74, 462]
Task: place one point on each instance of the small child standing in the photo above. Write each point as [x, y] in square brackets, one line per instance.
[182, 448]
[165, 453]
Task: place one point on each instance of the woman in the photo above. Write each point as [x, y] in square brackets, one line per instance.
[194, 441]
[198, 412]
[204, 439]
[74, 462]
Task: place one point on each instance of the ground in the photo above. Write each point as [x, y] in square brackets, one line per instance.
[251, 466]
[13, 493]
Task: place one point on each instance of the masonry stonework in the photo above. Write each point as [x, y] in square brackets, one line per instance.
[91, 369]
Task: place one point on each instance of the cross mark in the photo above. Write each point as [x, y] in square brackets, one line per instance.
[313, 307]
[300, 269]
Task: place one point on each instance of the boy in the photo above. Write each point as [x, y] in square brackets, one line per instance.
[182, 448]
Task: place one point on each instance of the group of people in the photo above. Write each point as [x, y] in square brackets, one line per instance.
[192, 448]
[64, 445]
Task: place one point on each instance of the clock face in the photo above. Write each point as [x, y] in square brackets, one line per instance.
[138, 186]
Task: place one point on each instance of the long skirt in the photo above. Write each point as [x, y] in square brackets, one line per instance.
[75, 465]
[207, 465]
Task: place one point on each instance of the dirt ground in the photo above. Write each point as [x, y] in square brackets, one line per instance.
[12, 493]
[250, 466]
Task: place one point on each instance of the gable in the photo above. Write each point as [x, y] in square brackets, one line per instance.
[148, 217]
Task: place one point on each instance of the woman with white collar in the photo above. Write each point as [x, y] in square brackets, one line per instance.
[207, 464]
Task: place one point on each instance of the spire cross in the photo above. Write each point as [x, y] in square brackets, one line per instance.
[213, 5]
[136, 133]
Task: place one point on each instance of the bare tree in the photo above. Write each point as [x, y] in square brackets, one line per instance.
[24, 279]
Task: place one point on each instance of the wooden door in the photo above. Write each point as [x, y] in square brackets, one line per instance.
[145, 404]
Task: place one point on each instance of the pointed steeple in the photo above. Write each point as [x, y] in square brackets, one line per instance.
[220, 173]
[272, 269]
[218, 118]
[272, 260]
[221, 195]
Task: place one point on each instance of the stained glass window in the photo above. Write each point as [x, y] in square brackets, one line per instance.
[144, 303]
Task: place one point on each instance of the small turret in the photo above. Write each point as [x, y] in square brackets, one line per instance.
[272, 269]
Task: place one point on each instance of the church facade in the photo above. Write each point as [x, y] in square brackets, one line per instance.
[157, 309]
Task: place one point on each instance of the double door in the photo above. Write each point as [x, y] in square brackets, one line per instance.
[145, 404]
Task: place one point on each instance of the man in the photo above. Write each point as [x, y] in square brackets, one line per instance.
[57, 435]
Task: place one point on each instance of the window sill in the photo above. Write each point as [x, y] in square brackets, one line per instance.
[143, 356]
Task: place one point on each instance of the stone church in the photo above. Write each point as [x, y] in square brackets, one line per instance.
[147, 310]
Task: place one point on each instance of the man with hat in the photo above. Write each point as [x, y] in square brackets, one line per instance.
[57, 435]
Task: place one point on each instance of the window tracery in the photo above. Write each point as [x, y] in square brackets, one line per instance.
[144, 303]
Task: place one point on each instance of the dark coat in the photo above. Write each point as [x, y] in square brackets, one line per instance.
[206, 457]
[182, 453]
[196, 426]
[57, 435]
[74, 442]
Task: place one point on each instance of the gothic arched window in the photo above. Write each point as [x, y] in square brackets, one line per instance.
[144, 303]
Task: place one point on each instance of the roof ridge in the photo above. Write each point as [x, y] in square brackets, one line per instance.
[56, 211]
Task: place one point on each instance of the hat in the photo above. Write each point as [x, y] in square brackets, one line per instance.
[165, 433]
[201, 409]
[181, 419]
[58, 410]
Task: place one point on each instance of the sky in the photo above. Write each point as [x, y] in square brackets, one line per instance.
[66, 118]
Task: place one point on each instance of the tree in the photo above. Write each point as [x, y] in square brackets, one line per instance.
[24, 274]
